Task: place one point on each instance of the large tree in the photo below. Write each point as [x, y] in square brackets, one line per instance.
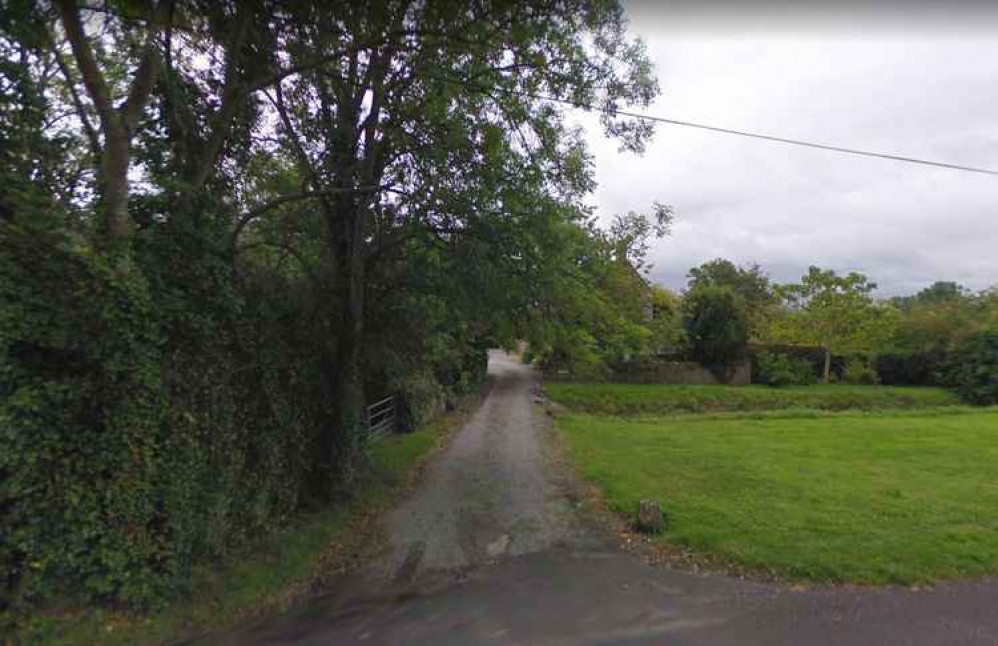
[356, 138]
[225, 224]
[425, 125]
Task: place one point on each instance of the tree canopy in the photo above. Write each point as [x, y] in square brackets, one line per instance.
[835, 312]
[257, 216]
[750, 283]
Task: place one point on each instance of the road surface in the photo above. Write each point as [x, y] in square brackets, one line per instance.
[492, 548]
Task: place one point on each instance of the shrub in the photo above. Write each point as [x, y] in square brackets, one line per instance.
[420, 398]
[778, 369]
[973, 368]
[716, 325]
[910, 368]
[859, 371]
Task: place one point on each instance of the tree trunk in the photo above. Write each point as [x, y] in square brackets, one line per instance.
[350, 400]
[114, 175]
[826, 373]
[117, 123]
[342, 438]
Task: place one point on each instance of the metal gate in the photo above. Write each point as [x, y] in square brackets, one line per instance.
[380, 419]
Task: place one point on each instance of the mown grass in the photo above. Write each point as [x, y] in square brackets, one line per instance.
[658, 399]
[253, 579]
[888, 497]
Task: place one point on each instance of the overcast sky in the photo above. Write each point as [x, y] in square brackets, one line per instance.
[911, 83]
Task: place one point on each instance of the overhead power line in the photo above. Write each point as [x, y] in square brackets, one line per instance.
[782, 140]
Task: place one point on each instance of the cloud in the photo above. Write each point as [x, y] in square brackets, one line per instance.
[911, 93]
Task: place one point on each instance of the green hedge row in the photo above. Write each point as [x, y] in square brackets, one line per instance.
[970, 367]
[158, 409]
[130, 455]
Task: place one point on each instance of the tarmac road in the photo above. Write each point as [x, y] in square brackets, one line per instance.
[491, 548]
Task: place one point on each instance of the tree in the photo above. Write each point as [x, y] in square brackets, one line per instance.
[265, 213]
[716, 326]
[937, 293]
[666, 325]
[594, 306]
[835, 312]
[750, 283]
[424, 131]
[117, 123]
[397, 130]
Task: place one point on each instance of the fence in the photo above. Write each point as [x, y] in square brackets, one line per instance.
[380, 419]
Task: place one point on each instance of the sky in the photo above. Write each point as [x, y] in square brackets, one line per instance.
[920, 83]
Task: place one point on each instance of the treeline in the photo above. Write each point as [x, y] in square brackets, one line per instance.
[225, 227]
[829, 327]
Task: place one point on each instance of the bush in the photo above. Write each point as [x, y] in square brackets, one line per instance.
[973, 369]
[778, 369]
[420, 399]
[910, 368]
[716, 325]
[859, 371]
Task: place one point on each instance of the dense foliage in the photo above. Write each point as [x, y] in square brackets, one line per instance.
[716, 325]
[827, 325]
[835, 312]
[225, 227]
[779, 369]
[973, 370]
[750, 283]
[910, 368]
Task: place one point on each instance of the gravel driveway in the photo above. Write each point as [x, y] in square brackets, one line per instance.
[488, 495]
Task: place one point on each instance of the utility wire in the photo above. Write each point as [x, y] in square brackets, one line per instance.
[754, 135]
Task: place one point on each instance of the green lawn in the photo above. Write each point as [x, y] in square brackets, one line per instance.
[257, 577]
[891, 497]
[656, 399]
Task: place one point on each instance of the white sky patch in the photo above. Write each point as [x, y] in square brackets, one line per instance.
[932, 96]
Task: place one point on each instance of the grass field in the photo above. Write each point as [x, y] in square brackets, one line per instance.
[255, 578]
[878, 496]
[656, 399]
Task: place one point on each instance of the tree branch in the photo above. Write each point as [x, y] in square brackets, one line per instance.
[256, 212]
[93, 138]
[145, 75]
[93, 80]
[232, 98]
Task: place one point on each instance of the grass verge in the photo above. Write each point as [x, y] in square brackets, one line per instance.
[875, 498]
[659, 399]
[265, 578]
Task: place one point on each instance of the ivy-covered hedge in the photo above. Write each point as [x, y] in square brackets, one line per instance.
[156, 416]
[157, 409]
[81, 411]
